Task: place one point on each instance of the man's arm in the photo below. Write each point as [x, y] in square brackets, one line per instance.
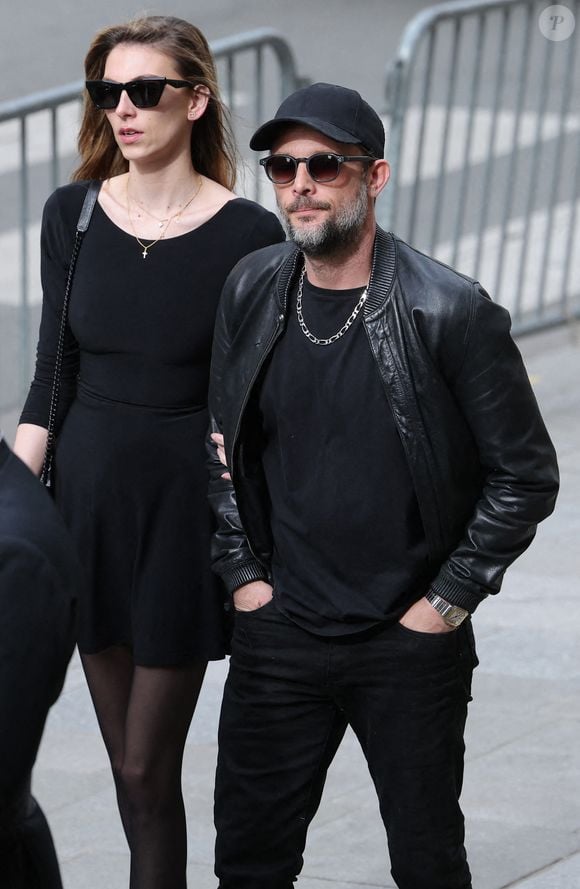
[255, 594]
[494, 394]
[231, 554]
[232, 558]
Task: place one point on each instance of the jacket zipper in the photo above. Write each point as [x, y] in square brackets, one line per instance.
[401, 435]
[267, 350]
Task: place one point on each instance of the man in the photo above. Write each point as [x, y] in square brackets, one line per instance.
[388, 462]
[38, 584]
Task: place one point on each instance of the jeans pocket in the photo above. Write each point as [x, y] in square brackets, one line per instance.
[254, 612]
[430, 637]
[470, 639]
[467, 659]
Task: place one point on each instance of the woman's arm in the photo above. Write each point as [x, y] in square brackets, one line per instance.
[30, 445]
[57, 236]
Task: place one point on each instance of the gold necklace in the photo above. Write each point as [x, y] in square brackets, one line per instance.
[163, 223]
[181, 210]
[146, 247]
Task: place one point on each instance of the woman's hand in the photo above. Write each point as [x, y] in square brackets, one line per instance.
[30, 445]
[218, 440]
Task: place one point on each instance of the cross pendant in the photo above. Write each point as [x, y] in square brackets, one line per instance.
[144, 254]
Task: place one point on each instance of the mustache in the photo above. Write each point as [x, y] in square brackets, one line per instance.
[305, 203]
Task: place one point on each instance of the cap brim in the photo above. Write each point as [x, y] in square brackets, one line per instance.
[266, 135]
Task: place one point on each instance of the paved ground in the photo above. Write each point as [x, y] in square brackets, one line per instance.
[522, 781]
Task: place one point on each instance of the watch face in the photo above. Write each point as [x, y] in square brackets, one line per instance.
[455, 616]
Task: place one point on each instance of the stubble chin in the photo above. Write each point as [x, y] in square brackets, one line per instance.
[313, 241]
[335, 234]
[309, 238]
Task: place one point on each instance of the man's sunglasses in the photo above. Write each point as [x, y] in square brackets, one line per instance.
[281, 169]
[144, 93]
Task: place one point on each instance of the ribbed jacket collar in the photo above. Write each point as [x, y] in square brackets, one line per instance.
[381, 278]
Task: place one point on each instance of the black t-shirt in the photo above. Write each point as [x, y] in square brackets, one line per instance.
[349, 545]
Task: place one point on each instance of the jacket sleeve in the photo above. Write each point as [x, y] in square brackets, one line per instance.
[520, 484]
[232, 558]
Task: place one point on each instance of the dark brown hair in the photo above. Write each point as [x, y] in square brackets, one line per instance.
[213, 150]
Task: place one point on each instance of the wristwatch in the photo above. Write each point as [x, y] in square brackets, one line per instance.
[453, 615]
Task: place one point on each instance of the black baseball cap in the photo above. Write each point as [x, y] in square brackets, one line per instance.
[337, 112]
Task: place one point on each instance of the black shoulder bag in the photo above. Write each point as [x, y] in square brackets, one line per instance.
[47, 472]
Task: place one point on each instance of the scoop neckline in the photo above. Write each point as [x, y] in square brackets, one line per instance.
[175, 237]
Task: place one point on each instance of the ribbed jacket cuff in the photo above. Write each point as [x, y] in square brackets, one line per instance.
[453, 591]
[242, 574]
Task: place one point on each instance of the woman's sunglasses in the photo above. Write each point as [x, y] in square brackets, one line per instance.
[281, 169]
[144, 93]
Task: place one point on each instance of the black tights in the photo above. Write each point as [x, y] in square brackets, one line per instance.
[144, 715]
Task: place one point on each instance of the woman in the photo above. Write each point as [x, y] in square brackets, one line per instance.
[130, 464]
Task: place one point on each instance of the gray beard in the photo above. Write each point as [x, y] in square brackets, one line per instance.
[333, 236]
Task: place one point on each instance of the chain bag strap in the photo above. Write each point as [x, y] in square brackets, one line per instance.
[46, 475]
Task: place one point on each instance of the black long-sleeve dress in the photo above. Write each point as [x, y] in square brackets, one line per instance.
[130, 464]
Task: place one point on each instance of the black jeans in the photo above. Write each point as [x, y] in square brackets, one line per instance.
[288, 699]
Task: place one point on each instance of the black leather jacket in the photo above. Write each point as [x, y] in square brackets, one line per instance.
[483, 466]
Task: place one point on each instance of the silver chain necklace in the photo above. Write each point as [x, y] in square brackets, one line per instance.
[331, 339]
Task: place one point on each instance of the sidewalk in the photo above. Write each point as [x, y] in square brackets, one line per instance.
[522, 783]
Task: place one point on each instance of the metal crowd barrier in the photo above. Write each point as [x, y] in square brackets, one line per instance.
[484, 142]
[38, 133]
